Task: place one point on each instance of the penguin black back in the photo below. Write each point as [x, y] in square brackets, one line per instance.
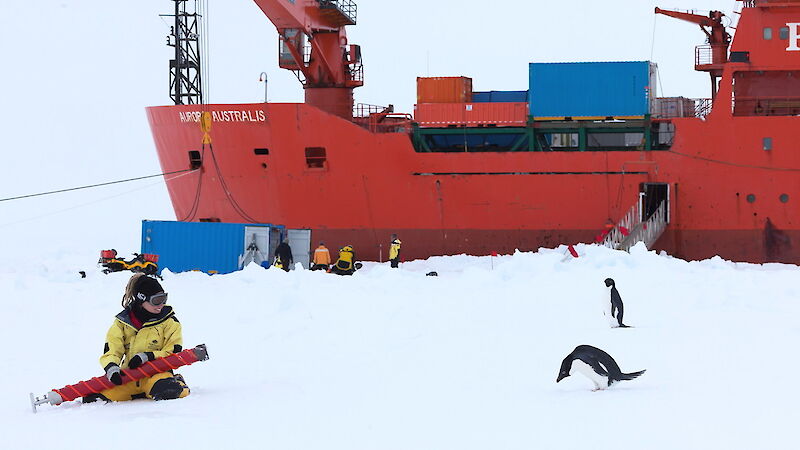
[600, 362]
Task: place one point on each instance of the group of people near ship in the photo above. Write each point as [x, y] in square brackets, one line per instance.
[346, 263]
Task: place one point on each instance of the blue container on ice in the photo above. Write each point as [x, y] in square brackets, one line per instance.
[590, 89]
[211, 247]
[500, 97]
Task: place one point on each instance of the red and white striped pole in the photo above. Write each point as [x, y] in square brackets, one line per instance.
[99, 384]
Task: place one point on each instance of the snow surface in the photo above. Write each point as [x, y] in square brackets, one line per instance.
[392, 359]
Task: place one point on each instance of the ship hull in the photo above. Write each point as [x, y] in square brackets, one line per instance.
[298, 166]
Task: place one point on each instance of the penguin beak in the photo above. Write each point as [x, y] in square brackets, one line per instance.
[561, 376]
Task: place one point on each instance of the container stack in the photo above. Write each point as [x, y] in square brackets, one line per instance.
[450, 102]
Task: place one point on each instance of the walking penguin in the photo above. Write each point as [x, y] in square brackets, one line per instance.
[616, 303]
[597, 365]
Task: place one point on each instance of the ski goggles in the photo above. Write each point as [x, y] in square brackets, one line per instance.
[157, 299]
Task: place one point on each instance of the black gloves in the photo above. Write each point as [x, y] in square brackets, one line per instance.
[141, 358]
[114, 374]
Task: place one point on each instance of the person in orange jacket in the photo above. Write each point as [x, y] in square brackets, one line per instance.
[322, 258]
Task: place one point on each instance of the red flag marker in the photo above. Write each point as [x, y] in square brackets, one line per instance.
[572, 250]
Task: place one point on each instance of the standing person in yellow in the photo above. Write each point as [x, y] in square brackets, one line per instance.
[322, 258]
[145, 330]
[394, 251]
[346, 264]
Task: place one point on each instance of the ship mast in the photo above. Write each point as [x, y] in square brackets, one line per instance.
[185, 86]
[718, 40]
[313, 44]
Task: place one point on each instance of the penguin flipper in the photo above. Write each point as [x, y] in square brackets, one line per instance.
[598, 367]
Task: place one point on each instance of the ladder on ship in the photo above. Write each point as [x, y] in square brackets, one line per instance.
[637, 227]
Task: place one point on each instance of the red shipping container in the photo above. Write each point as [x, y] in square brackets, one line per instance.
[444, 89]
[471, 114]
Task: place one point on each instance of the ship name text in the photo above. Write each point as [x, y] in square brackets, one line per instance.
[794, 37]
[225, 116]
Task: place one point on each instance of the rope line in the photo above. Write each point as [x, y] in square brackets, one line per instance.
[53, 213]
[196, 202]
[94, 185]
[239, 210]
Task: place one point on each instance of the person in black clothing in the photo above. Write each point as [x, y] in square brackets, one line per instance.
[283, 256]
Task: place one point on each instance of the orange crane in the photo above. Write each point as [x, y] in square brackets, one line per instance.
[718, 40]
[313, 44]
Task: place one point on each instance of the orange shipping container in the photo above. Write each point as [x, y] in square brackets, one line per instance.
[471, 114]
[444, 89]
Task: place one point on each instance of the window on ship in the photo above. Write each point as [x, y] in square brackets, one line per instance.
[555, 136]
[611, 141]
[766, 93]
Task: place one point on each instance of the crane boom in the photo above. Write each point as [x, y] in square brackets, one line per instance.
[718, 40]
[712, 26]
[313, 44]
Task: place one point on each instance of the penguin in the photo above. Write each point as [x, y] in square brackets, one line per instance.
[597, 365]
[616, 303]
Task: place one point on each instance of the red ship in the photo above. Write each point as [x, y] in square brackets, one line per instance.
[712, 177]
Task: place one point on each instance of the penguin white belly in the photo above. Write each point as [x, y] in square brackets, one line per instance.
[600, 381]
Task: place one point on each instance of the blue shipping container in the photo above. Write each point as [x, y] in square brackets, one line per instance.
[500, 97]
[211, 247]
[590, 89]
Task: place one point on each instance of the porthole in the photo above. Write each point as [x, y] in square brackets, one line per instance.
[751, 198]
[767, 33]
[784, 198]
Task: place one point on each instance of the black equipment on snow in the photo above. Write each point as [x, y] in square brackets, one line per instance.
[144, 262]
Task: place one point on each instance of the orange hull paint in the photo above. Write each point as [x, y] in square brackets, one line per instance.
[374, 184]
[377, 182]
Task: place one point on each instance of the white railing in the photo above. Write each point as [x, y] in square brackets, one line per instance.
[631, 229]
[623, 227]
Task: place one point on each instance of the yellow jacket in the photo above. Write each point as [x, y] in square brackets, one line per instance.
[346, 258]
[394, 249]
[161, 335]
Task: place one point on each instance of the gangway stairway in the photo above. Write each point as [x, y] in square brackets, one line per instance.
[632, 229]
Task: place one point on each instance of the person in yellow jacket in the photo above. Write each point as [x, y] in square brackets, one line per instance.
[322, 258]
[346, 264]
[394, 251]
[145, 330]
